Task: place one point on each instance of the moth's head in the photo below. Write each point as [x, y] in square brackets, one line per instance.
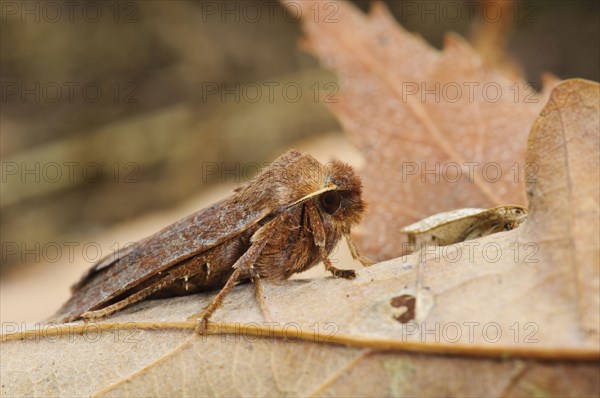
[296, 177]
[344, 203]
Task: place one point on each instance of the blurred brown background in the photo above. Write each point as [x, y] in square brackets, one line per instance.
[120, 117]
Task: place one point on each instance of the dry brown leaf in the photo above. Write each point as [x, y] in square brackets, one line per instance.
[456, 226]
[564, 140]
[544, 303]
[472, 125]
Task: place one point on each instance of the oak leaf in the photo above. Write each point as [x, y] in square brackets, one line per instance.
[538, 310]
[439, 130]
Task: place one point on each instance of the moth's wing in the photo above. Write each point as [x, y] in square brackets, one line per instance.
[104, 262]
[186, 238]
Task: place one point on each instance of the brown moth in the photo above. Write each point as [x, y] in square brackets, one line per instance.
[285, 220]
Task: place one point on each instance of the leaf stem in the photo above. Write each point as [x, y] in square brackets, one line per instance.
[285, 333]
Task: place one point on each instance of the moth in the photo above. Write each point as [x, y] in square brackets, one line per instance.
[285, 220]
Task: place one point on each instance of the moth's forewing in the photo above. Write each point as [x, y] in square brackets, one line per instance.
[104, 262]
[178, 242]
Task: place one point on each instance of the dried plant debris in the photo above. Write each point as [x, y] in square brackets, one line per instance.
[456, 226]
[539, 312]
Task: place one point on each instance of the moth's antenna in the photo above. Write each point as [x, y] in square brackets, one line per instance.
[331, 187]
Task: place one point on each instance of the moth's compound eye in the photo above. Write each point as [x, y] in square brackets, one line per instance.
[330, 201]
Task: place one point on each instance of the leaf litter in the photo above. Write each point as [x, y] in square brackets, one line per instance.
[540, 290]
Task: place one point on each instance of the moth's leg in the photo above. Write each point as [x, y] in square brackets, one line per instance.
[171, 277]
[260, 295]
[243, 264]
[366, 262]
[338, 273]
[217, 301]
[318, 231]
